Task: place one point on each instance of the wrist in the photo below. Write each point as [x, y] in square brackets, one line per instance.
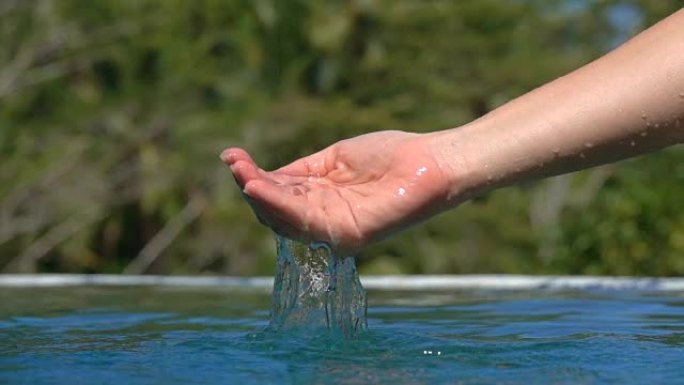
[453, 151]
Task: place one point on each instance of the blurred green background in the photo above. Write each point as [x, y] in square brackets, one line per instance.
[113, 113]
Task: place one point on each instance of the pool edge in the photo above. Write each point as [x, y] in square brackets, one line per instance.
[403, 282]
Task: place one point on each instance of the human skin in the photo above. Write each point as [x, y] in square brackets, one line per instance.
[361, 190]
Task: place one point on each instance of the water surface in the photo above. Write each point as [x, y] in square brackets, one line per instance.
[162, 335]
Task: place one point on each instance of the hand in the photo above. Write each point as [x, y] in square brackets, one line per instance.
[348, 195]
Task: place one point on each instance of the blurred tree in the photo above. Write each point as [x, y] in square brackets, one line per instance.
[112, 115]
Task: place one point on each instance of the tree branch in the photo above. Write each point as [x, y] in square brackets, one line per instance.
[26, 261]
[167, 235]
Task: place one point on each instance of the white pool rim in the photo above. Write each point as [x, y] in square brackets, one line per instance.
[393, 282]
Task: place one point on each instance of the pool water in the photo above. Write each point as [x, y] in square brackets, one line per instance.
[165, 335]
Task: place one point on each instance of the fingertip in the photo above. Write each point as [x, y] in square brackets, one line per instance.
[232, 155]
[251, 188]
[227, 156]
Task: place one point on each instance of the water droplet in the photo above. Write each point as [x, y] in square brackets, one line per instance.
[643, 115]
[644, 134]
[490, 178]
[401, 191]
[582, 155]
[632, 143]
[588, 144]
[656, 125]
[421, 171]
[439, 353]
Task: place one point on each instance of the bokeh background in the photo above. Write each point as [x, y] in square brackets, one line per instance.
[113, 113]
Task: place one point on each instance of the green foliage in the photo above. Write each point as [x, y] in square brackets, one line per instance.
[635, 226]
[113, 113]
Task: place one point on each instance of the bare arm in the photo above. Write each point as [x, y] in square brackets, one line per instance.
[629, 102]
[361, 190]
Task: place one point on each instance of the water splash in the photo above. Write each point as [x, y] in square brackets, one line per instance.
[314, 288]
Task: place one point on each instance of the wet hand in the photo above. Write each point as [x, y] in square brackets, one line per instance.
[348, 195]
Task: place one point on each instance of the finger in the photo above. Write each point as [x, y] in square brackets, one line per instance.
[245, 171]
[282, 178]
[269, 216]
[232, 155]
[312, 165]
[243, 166]
[299, 167]
[279, 201]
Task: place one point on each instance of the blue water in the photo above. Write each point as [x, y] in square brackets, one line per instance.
[138, 335]
[313, 288]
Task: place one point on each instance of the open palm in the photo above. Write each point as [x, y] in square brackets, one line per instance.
[351, 194]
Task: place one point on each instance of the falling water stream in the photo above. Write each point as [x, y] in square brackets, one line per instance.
[314, 289]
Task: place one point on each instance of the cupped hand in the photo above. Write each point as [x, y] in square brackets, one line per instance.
[349, 195]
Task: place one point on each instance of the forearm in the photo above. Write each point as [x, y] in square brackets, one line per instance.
[626, 103]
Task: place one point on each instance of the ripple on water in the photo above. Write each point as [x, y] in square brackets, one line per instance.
[180, 336]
